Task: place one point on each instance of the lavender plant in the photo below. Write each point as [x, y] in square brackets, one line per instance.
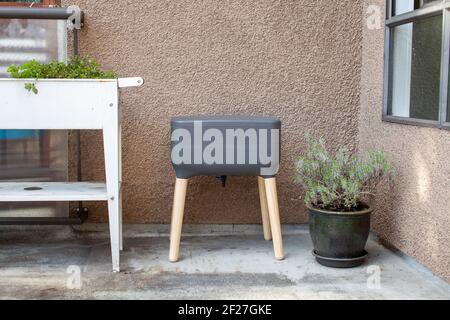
[339, 182]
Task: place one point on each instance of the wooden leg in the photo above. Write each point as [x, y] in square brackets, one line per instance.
[264, 209]
[274, 216]
[177, 218]
[111, 149]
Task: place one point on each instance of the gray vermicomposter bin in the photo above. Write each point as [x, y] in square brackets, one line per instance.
[258, 137]
[222, 123]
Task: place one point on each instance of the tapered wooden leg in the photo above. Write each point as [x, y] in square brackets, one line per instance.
[264, 209]
[274, 216]
[177, 218]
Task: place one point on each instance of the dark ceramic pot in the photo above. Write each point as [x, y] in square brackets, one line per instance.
[339, 238]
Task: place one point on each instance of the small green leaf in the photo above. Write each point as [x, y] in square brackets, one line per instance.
[31, 87]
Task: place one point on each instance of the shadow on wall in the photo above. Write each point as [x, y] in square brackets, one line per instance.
[416, 202]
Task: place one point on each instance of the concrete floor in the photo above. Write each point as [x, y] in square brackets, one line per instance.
[218, 262]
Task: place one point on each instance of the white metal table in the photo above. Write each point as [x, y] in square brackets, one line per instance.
[65, 104]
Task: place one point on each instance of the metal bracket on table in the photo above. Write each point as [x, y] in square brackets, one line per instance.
[130, 82]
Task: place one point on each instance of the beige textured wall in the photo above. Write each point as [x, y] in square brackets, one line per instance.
[297, 59]
[414, 216]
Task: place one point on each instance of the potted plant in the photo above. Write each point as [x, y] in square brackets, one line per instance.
[335, 187]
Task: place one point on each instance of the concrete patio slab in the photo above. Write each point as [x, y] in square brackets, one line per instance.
[217, 262]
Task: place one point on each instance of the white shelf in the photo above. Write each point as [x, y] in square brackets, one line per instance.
[52, 191]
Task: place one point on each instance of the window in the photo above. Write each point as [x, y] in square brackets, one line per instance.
[417, 62]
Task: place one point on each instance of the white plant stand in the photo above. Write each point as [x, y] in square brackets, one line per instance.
[70, 104]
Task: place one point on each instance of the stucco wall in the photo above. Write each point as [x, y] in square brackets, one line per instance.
[414, 215]
[299, 60]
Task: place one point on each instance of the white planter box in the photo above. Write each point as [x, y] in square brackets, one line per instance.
[70, 104]
[60, 103]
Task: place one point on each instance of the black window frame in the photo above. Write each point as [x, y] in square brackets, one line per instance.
[441, 7]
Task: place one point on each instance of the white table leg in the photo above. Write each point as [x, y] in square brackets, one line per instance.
[120, 188]
[111, 149]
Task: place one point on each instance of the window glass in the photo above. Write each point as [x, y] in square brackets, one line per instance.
[22, 40]
[403, 6]
[415, 67]
[32, 155]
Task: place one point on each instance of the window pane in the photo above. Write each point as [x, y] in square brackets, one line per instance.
[22, 40]
[415, 68]
[403, 6]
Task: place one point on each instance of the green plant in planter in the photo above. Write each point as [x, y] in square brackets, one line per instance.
[339, 182]
[335, 185]
[75, 68]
